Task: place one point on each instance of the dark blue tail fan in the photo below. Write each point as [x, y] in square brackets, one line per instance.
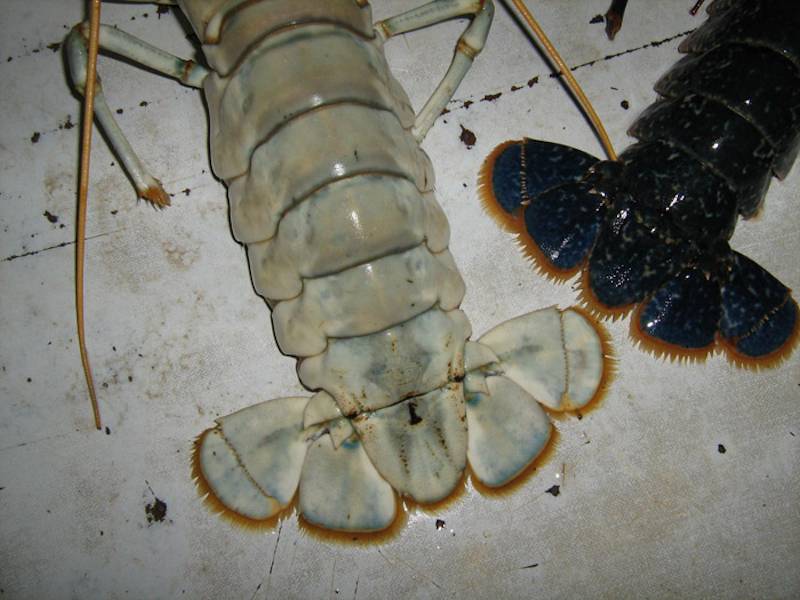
[519, 170]
[683, 312]
[759, 316]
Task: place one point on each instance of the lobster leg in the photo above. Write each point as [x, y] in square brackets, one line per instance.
[469, 45]
[130, 47]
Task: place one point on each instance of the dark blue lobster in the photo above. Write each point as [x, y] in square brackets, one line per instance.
[651, 230]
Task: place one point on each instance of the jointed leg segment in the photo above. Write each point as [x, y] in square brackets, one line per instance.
[125, 45]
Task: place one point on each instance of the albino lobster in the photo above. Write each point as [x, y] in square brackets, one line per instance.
[333, 197]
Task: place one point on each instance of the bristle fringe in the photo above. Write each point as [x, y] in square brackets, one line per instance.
[592, 304]
[511, 222]
[769, 361]
[664, 350]
[216, 506]
[610, 362]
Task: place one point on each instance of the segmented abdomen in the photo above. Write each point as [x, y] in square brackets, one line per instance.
[334, 200]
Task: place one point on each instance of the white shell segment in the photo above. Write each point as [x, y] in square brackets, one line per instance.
[229, 481]
[340, 430]
[344, 67]
[365, 299]
[321, 408]
[531, 351]
[346, 223]
[200, 12]
[419, 445]
[585, 359]
[507, 430]
[373, 371]
[341, 490]
[346, 140]
[477, 356]
[243, 28]
[270, 444]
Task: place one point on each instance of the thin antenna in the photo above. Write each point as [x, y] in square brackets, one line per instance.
[573, 84]
[83, 193]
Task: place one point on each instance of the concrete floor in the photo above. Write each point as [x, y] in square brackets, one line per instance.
[649, 504]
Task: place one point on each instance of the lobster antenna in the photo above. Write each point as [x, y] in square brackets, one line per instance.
[571, 82]
[83, 193]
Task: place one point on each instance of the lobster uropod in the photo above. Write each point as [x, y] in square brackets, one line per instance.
[333, 197]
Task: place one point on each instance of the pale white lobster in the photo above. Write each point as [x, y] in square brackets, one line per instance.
[333, 197]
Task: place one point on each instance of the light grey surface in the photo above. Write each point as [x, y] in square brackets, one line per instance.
[648, 505]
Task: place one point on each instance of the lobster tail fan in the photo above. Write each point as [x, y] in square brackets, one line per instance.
[534, 189]
[248, 466]
[519, 170]
[549, 358]
[680, 319]
[759, 320]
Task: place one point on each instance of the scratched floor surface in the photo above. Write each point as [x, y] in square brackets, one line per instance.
[684, 483]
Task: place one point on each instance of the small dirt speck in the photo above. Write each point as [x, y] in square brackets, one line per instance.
[467, 104]
[186, 191]
[625, 104]
[29, 380]
[597, 19]
[35, 137]
[115, 211]
[108, 430]
[491, 97]
[515, 88]
[120, 111]
[143, 103]
[156, 511]
[533, 81]
[50, 216]
[721, 449]
[467, 137]
[162, 10]
[444, 111]
[55, 46]
[440, 524]
[554, 490]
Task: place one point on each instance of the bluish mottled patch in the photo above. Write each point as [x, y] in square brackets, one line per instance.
[548, 164]
[757, 313]
[680, 190]
[718, 137]
[564, 222]
[772, 23]
[772, 334]
[749, 294]
[753, 81]
[629, 260]
[506, 174]
[543, 166]
[684, 311]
